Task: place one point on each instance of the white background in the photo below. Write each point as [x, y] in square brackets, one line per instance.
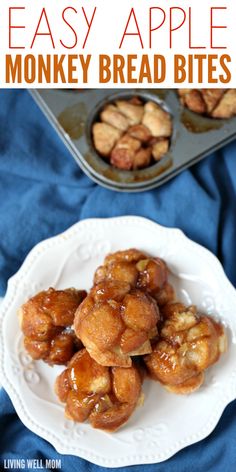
[107, 31]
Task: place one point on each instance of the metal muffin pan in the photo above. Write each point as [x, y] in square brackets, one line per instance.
[72, 114]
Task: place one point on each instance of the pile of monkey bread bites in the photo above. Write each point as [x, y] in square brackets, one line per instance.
[131, 134]
[128, 329]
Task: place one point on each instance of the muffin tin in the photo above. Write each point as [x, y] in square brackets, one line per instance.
[72, 113]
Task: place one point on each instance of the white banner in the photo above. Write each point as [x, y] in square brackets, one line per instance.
[123, 44]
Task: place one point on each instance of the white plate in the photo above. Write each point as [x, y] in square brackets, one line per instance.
[166, 423]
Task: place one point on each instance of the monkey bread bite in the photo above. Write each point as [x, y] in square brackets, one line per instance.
[145, 273]
[46, 321]
[215, 103]
[189, 343]
[105, 396]
[115, 322]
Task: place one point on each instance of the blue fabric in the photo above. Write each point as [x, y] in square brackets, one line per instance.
[43, 192]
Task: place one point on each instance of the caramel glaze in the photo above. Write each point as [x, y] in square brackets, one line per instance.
[46, 321]
[197, 124]
[113, 326]
[189, 343]
[73, 119]
[118, 319]
[140, 271]
[106, 397]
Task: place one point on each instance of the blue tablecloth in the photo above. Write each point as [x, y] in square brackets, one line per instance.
[43, 192]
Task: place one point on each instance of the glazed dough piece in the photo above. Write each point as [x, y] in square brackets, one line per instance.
[133, 113]
[160, 148]
[157, 120]
[226, 108]
[153, 274]
[128, 255]
[113, 411]
[140, 132]
[123, 154]
[216, 103]
[189, 343]
[193, 100]
[165, 295]
[105, 137]
[212, 97]
[46, 320]
[120, 266]
[115, 323]
[57, 350]
[111, 116]
[142, 158]
[140, 271]
[106, 397]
